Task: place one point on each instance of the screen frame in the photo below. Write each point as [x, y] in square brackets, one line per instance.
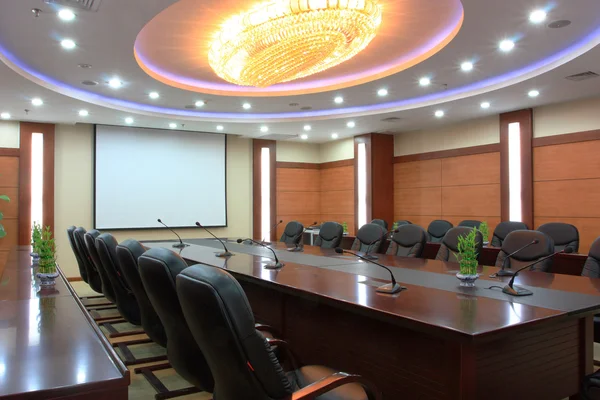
[94, 223]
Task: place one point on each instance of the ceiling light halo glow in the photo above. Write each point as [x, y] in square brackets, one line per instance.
[264, 129]
[68, 44]
[115, 83]
[425, 81]
[220, 127]
[84, 113]
[439, 113]
[154, 95]
[334, 136]
[129, 120]
[37, 101]
[533, 93]
[382, 92]
[66, 15]
[304, 136]
[485, 104]
[506, 45]
[172, 125]
[279, 41]
[537, 16]
[466, 66]
[5, 115]
[351, 124]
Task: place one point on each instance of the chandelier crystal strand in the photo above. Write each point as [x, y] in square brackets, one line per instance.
[283, 40]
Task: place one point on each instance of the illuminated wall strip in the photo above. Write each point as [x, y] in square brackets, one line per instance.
[362, 184]
[37, 177]
[265, 193]
[514, 172]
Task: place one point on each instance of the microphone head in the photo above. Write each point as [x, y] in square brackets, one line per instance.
[339, 250]
[159, 221]
[280, 221]
[198, 224]
[239, 240]
[535, 241]
[568, 249]
[315, 223]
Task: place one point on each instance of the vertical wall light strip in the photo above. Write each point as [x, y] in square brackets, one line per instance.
[265, 193]
[362, 184]
[37, 177]
[514, 171]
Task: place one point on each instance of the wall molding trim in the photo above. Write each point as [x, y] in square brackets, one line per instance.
[9, 152]
[465, 151]
[326, 165]
[337, 164]
[574, 137]
[75, 279]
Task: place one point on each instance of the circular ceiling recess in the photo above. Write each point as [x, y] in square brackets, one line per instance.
[234, 47]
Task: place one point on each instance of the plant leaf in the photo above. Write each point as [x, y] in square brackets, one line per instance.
[4, 197]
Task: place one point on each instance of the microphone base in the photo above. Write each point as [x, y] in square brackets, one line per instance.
[370, 257]
[278, 265]
[390, 288]
[505, 272]
[295, 249]
[180, 245]
[224, 254]
[516, 291]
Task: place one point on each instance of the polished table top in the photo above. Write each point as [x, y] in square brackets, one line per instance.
[466, 313]
[47, 345]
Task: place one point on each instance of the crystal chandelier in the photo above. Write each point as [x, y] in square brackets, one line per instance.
[283, 40]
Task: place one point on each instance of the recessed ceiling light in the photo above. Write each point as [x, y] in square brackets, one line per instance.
[307, 127]
[220, 127]
[506, 45]
[68, 44]
[304, 136]
[85, 66]
[338, 100]
[66, 15]
[129, 120]
[537, 16]
[37, 101]
[466, 66]
[246, 106]
[382, 92]
[5, 115]
[485, 104]
[424, 81]
[153, 95]
[350, 124]
[533, 93]
[264, 128]
[439, 113]
[172, 125]
[115, 83]
[334, 135]
[84, 113]
[199, 103]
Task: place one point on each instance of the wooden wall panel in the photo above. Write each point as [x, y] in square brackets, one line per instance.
[11, 226]
[305, 220]
[567, 161]
[298, 203]
[418, 201]
[337, 196]
[341, 178]
[10, 209]
[418, 174]
[478, 169]
[567, 198]
[9, 171]
[9, 185]
[589, 229]
[471, 200]
[337, 202]
[421, 220]
[298, 180]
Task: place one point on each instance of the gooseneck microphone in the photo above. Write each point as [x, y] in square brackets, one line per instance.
[271, 230]
[179, 245]
[225, 253]
[277, 263]
[389, 288]
[504, 271]
[368, 256]
[520, 291]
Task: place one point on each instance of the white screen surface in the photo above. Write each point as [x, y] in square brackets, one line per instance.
[144, 174]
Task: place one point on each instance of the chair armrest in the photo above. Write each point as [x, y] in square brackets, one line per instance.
[266, 328]
[334, 381]
[283, 345]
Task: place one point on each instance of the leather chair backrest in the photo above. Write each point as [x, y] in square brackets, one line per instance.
[292, 233]
[90, 244]
[382, 223]
[128, 253]
[106, 244]
[369, 238]
[517, 239]
[449, 248]
[93, 277]
[564, 235]
[330, 235]
[82, 270]
[408, 241]
[158, 269]
[591, 268]
[243, 364]
[470, 223]
[437, 229]
[503, 229]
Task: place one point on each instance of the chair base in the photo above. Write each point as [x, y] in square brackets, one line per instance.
[86, 303]
[113, 333]
[130, 358]
[98, 318]
[161, 390]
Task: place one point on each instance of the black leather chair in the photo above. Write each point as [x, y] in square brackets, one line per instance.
[517, 239]
[292, 234]
[369, 238]
[470, 223]
[437, 229]
[92, 274]
[90, 245]
[382, 223]
[591, 269]
[106, 244]
[503, 229]
[564, 235]
[330, 235]
[449, 247]
[408, 241]
[241, 358]
[158, 269]
[82, 269]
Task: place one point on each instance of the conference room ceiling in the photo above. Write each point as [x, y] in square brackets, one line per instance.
[36, 66]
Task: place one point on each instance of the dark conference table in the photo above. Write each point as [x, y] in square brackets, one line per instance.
[434, 340]
[49, 346]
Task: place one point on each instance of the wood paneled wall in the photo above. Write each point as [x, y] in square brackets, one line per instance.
[450, 187]
[566, 186]
[9, 185]
[315, 192]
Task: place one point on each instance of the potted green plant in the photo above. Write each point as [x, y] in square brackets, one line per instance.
[2, 231]
[467, 258]
[485, 232]
[47, 265]
[345, 226]
[36, 239]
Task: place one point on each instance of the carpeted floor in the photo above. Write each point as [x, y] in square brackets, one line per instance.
[140, 389]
